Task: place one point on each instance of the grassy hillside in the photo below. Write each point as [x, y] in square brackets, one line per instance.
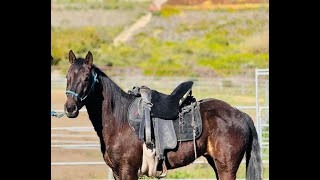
[177, 41]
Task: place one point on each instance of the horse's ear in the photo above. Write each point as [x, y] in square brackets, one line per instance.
[72, 57]
[89, 58]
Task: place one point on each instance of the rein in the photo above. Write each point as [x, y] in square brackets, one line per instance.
[53, 113]
[95, 79]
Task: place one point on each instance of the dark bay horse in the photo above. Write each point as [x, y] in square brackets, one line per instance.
[228, 134]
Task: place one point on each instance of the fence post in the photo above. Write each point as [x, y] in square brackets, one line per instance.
[258, 123]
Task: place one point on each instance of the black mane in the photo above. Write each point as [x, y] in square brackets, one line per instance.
[118, 101]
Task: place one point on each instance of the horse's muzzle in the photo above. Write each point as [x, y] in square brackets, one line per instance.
[71, 110]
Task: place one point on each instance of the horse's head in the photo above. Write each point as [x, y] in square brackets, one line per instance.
[80, 82]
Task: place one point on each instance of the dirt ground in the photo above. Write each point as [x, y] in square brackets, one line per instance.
[79, 172]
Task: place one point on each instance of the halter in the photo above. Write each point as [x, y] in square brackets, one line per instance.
[95, 79]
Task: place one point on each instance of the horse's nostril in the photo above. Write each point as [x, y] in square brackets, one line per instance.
[71, 108]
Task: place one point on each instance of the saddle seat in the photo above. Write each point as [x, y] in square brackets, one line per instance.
[165, 106]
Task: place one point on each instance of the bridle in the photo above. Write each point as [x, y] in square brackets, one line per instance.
[95, 79]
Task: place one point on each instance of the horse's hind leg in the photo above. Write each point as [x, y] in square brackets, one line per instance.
[225, 158]
[211, 162]
[221, 174]
[223, 170]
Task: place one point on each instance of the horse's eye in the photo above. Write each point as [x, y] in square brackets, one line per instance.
[87, 79]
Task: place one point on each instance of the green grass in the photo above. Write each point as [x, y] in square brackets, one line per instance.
[169, 11]
[206, 171]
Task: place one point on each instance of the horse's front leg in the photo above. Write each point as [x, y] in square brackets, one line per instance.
[115, 176]
[125, 165]
[128, 173]
[125, 173]
[124, 154]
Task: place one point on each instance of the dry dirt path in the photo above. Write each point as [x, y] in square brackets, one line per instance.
[125, 35]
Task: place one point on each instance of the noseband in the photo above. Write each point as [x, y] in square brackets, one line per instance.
[95, 79]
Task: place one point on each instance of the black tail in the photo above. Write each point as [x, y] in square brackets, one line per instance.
[253, 157]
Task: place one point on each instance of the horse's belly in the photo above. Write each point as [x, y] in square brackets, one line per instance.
[149, 162]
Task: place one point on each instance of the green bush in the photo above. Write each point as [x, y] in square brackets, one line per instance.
[169, 11]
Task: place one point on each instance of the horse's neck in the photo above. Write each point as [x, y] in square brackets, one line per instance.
[94, 109]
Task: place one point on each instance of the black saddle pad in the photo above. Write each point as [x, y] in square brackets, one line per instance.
[167, 106]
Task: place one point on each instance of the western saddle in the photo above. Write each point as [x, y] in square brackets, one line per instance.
[161, 120]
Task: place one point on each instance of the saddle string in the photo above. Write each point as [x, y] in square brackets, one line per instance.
[180, 126]
[182, 121]
[194, 131]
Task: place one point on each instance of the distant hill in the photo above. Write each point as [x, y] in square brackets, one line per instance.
[196, 2]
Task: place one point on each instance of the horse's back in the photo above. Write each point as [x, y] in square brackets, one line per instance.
[211, 103]
[219, 114]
